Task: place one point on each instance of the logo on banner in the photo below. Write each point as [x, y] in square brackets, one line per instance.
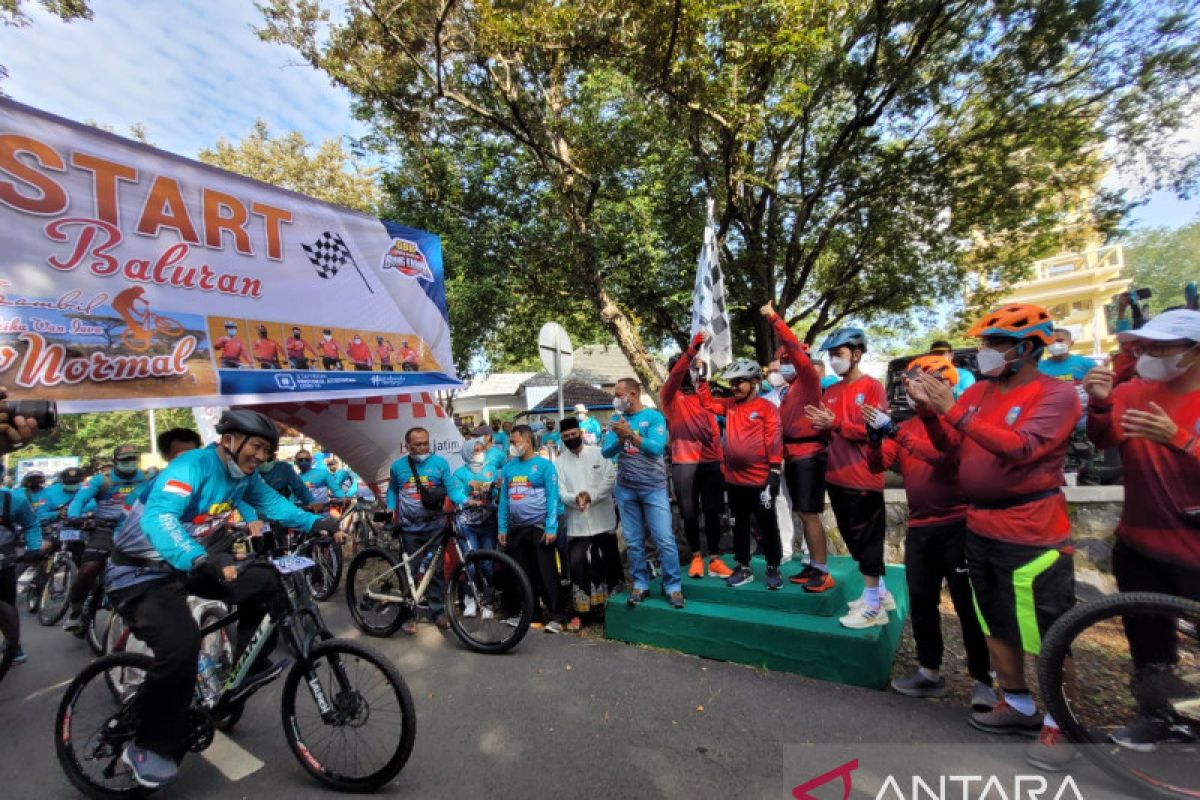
[408, 260]
[285, 382]
[329, 253]
[141, 324]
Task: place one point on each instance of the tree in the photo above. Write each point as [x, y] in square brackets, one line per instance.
[1165, 261]
[330, 173]
[93, 437]
[66, 10]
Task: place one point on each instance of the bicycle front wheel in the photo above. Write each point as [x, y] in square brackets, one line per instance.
[353, 725]
[323, 579]
[370, 579]
[56, 591]
[489, 602]
[1136, 713]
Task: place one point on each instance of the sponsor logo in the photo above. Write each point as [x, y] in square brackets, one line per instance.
[285, 382]
[408, 260]
[859, 399]
[945, 787]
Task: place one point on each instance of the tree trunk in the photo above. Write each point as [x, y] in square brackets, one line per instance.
[627, 337]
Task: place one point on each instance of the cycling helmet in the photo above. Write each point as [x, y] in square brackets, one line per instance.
[853, 337]
[32, 476]
[938, 366]
[251, 423]
[743, 369]
[1018, 321]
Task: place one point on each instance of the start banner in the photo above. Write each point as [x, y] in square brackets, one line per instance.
[133, 278]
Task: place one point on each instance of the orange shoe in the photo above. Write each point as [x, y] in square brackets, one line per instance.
[717, 568]
[696, 570]
[820, 582]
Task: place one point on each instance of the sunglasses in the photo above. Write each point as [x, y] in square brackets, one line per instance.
[740, 381]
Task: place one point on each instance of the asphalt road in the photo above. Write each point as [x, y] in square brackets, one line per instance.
[561, 717]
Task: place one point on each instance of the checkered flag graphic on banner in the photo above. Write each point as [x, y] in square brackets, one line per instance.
[708, 300]
[329, 254]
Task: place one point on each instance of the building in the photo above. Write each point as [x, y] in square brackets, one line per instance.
[500, 392]
[1075, 288]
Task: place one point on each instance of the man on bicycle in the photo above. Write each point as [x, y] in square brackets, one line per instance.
[161, 555]
[1155, 420]
[320, 484]
[15, 514]
[112, 491]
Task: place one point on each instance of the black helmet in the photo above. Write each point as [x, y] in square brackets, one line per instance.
[71, 476]
[251, 423]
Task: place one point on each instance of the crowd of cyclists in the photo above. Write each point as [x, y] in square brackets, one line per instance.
[296, 352]
[982, 465]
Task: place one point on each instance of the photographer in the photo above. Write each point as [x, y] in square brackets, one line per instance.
[15, 431]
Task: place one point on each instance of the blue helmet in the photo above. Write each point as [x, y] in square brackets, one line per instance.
[854, 337]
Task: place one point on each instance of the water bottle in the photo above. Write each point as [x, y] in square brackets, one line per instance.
[210, 685]
[425, 562]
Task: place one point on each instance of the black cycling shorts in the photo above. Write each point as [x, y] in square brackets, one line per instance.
[99, 544]
[806, 483]
[1020, 590]
[862, 522]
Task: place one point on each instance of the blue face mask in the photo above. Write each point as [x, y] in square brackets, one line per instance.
[788, 371]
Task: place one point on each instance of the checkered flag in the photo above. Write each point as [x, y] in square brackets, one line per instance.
[708, 300]
[329, 254]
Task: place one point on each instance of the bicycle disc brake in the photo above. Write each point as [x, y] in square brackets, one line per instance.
[200, 728]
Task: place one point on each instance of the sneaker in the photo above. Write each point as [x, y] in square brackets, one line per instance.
[1006, 719]
[575, 625]
[442, 622]
[696, 570]
[805, 575]
[983, 697]
[739, 576]
[774, 579]
[1145, 734]
[149, 768]
[886, 602]
[718, 569]
[636, 596]
[410, 627]
[1051, 752]
[74, 623]
[470, 609]
[553, 626]
[820, 582]
[920, 686]
[19, 658]
[511, 622]
[865, 617]
[487, 613]
[675, 599]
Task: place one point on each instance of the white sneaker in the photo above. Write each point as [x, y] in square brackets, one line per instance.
[487, 614]
[512, 622]
[886, 602]
[864, 617]
[469, 607]
[554, 626]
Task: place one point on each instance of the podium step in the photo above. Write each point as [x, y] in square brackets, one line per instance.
[791, 598]
[763, 635]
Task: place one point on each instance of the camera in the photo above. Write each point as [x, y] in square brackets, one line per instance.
[43, 412]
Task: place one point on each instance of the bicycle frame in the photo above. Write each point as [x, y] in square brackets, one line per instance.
[440, 544]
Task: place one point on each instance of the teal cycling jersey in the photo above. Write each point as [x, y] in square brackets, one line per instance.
[529, 496]
[552, 439]
[592, 432]
[321, 485]
[487, 473]
[347, 482]
[404, 496]
[640, 466]
[500, 439]
[193, 498]
[113, 493]
[17, 515]
[49, 501]
[283, 478]
[1073, 367]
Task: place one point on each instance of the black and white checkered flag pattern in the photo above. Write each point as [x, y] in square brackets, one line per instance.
[328, 254]
[708, 300]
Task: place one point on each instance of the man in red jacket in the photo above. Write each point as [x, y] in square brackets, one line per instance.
[753, 456]
[804, 450]
[360, 353]
[1155, 420]
[855, 492]
[1013, 434]
[695, 461]
[935, 542]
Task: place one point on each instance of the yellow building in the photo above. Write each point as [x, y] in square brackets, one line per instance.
[1074, 288]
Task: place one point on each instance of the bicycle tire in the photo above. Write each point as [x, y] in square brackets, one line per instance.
[33, 592]
[231, 714]
[524, 592]
[64, 735]
[408, 724]
[368, 626]
[52, 608]
[10, 625]
[1056, 648]
[326, 576]
[95, 627]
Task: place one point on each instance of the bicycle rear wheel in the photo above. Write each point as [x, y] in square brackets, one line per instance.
[366, 733]
[56, 590]
[92, 728]
[372, 570]
[96, 625]
[489, 602]
[1138, 719]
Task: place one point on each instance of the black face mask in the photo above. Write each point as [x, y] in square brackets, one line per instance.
[573, 444]
[304, 464]
[36, 486]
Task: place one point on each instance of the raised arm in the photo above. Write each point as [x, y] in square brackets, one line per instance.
[679, 372]
[714, 405]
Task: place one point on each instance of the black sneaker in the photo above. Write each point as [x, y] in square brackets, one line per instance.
[774, 579]
[919, 686]
[805, 575]
[741, 574]
[636, 596]
[1145, 734]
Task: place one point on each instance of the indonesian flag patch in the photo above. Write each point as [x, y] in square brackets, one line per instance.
[177, 487]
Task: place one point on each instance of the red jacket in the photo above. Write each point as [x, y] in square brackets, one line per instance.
[695, 435]
[930, 474]
[800, 438]
[753, 444]
[848, 445]
[1014, 443]
[359, 353]
[1161, 481]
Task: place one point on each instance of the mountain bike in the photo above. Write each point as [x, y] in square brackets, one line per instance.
[56, 574]
[326, 554]
[363, 525]
[349, 693]
[489, 601]
[1113, 696]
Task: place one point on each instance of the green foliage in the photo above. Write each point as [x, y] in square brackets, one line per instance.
[93, 437]
[66, 10]
[1165, 260]
[330, 173]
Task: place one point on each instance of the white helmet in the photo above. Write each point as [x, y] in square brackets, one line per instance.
[743, 368]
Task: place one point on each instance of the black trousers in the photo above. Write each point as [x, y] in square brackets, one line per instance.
[158, 614]
[700, 486]
[8, 594]
[331, 363]
[1152, 637]
[610, 552]
[933, 554]
[298, 362]
[745, 506]
[540, 562]
[861, 520]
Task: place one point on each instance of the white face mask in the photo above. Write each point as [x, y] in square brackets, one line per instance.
[621, 404]
[1161, 369]
[1059, 349]
[514, 451]
[327, 336]
[477, 460]
[991, 362]
[421, 458]
[776, 380]
[839, 365]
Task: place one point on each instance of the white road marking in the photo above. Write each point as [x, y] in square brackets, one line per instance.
[47, 690]
[230, 759]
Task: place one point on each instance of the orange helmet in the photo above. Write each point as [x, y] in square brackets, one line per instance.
[938, 366]
[1019, 321]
